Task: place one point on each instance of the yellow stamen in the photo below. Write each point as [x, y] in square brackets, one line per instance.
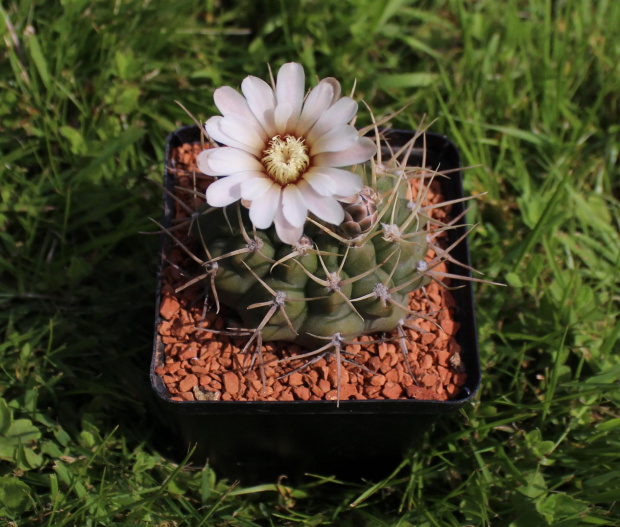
[286, 159]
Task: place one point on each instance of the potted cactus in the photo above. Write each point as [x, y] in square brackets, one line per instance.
[299, 255]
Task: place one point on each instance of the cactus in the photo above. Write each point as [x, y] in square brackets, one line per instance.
[328, 282]
[298, 247]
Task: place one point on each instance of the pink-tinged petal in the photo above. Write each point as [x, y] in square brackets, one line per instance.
[238, 128]
[212, 127]
[318, 100]
[322, 183]
[290, 88]
[263, 210]
[323, 207]
[333, 82]
[257, 187]
[261, 101]
[222, 130]
[293, 206]
[285, 231]
[227, 190]
[340, 113]
[347, 199]
[226, 160]
[282, 116]
[344, 182]
[230, 102]
[336, 140]
[361, 151]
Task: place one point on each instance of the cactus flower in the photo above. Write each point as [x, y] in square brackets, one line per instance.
[284, 152]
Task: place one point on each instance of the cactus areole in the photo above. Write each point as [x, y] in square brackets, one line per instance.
[309, 235]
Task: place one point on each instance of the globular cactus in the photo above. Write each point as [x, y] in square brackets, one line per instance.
[312, 233]
[329, 281]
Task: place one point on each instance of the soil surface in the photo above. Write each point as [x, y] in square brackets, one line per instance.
[200, 364]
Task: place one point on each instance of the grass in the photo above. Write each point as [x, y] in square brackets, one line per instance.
[530, 90]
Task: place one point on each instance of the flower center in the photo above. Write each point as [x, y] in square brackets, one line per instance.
[286, 159]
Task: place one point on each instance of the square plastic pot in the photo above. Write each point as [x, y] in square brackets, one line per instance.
[258, 440]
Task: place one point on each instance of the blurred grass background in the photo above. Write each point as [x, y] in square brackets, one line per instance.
[529, 90]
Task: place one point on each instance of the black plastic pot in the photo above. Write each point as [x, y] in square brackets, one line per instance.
[262, 440]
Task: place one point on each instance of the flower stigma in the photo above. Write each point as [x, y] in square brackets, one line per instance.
[286, 159]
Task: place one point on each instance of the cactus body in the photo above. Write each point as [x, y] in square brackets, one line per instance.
[327, 284]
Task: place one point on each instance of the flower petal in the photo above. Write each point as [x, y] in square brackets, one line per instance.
[343, 182]
[285, 231]
[227, 190]
[263, 210]
[341, 112]
[212, 127]
[347, 199]
[256, 188]
[323, 207]
[362, 150]
[261, 101]
[282, 115]
[290, 88]
[236, 132]
[237, 127]
[226, 160]
[333, 82]
[320, 181]
[318, 100]
[336, 140]
[230, 102]
[293, 206]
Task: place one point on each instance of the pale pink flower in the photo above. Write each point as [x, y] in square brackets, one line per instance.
[284, 153]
